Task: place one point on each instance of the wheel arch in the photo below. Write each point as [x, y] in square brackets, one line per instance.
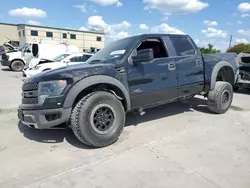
[95, 83]
[17, 60]
[222, 67]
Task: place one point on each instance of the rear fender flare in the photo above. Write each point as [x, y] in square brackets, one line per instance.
[216, 70]
[92, 80]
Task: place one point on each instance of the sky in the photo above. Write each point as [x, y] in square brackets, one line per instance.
[206, 21]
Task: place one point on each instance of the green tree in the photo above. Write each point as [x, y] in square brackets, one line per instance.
[240, 48]
[209, 50]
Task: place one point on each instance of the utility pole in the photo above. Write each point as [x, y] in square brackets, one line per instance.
[230, 41]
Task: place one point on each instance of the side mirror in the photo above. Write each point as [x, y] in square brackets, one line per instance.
[143, 56]
[28, 51]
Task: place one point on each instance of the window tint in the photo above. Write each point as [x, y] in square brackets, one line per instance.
[182, 46]
[76, 59]
[49, 34]
[156, 45]
[19, 33]
[85, 58]
[24, 33]
[72, 36]
[34, 33]
[98, 38]
[64, 35]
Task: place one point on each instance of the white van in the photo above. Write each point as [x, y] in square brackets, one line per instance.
[48, 50]
[37, 51]
[62, 60]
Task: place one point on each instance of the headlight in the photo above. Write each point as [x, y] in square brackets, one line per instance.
[50, 89]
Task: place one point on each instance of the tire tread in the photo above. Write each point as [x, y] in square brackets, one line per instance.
[214, 97]
[75, 121]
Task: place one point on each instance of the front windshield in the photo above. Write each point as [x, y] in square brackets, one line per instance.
[23, 46]
[61, 57]
[114, 50]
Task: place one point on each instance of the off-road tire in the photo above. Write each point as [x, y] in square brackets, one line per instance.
[81, 119]
[17, 66]
[215, 97]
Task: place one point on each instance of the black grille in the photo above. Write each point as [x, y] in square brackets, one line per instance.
[30, 93]
[5, 57]
[30, 100]
[28, 87]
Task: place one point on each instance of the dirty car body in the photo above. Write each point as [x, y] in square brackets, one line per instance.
[176, 70]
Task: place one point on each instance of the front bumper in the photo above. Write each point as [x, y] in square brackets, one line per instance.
[44, 119]
[5, 63]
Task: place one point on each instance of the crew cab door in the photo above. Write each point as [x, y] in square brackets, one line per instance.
[155, 81]
[189, 65]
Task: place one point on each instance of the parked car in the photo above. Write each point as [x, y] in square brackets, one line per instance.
[60, 61]
[243, 80]
[17, 60]
[130, 74]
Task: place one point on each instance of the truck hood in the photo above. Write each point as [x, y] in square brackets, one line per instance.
[73, 73]
[14, 53]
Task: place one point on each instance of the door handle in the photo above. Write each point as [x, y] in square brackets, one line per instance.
[171, 66]
[198, 63]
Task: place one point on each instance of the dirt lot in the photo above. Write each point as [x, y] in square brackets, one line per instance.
[176, 145]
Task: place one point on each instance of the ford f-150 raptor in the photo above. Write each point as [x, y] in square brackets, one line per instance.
[130, 74]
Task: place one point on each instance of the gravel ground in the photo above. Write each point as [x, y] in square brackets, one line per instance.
[175, 145]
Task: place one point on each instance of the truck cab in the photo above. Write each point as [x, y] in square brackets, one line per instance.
[134, 73]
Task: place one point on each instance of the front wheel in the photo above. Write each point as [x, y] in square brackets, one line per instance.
[220, 99]
[17, 66]
[98, 119]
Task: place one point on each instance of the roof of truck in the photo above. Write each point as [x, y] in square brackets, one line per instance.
[159, 34]
[154, 35]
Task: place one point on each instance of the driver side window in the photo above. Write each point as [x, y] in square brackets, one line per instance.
[156, 45]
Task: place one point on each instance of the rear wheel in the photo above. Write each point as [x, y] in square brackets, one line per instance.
[220, 99]
[98, 119]
[17, 66]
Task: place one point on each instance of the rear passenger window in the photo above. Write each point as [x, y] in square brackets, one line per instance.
[182, 46]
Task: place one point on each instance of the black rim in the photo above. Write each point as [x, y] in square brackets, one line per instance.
[102, 118]
[225, 97]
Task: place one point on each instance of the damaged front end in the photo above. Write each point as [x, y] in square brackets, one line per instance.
[243, 80]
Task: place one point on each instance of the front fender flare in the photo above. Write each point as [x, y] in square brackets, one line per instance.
[216, 70]
[92, 80]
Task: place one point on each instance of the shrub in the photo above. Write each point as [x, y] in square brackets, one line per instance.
[240, 48]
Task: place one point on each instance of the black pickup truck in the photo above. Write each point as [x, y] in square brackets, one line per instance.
[130, 74]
